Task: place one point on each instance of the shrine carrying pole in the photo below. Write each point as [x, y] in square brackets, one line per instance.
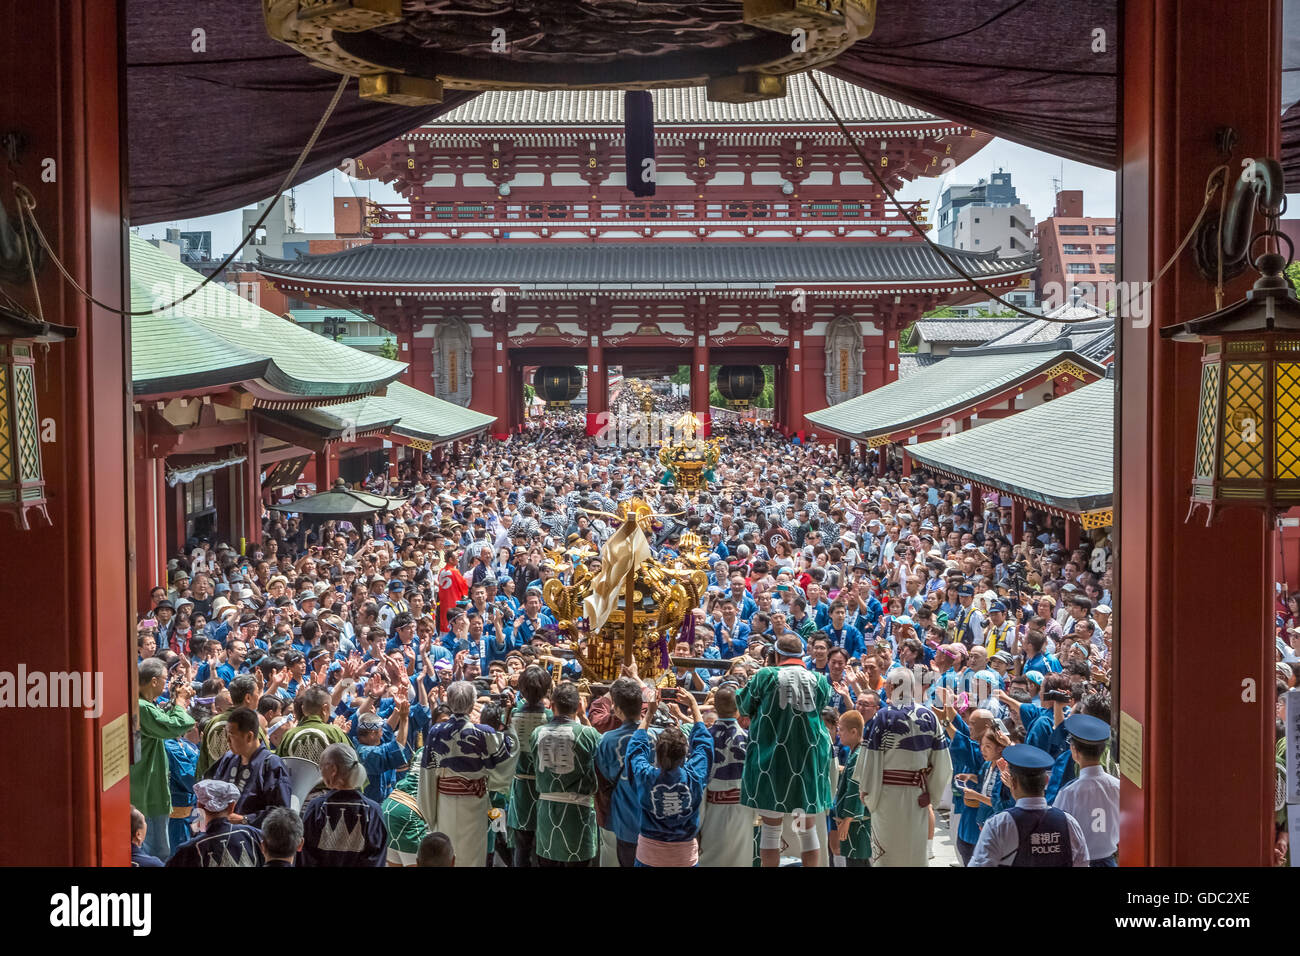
[629, 622]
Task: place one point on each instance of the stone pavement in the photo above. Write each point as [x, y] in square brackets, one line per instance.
[945, 844]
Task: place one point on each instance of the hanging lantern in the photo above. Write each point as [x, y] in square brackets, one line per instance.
[1248, 422]
[22, 479]
[557, 384]
[741, 384]
[411, 52]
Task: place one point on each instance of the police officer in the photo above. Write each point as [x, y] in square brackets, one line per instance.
[1000, 633]
[1030, 833]
[970, 622]
[1092, 797]
[393, 606]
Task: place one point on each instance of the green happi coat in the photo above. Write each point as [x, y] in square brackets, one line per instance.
[406, 828]
[521, 813]
[848, 806]
[787, 763]
[565, 752]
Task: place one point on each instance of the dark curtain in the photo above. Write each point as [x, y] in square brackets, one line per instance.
[1038, 72]
[214, 130]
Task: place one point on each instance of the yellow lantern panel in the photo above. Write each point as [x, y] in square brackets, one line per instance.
[1242, 440]
[1207, 427]
[1286, 421]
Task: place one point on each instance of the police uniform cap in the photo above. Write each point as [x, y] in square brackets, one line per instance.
[1090, 730]
[1026, 757]
[966, 590]
[396, 585]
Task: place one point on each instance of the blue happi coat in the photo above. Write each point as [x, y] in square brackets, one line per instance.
[730, 741]
[264, 786]
[670, 800]
[611, 763]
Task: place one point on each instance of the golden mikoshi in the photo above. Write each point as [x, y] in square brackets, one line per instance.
[661, 595]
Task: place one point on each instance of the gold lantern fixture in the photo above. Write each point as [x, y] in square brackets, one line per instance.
[22, 478]
[1248, 420]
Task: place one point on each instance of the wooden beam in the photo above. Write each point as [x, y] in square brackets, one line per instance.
[291, 434]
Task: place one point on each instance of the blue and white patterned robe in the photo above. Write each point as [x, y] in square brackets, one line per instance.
[902, 737]
[474, 753]
[727, 829]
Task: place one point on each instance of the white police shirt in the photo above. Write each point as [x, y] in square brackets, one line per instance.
[1092, 798]
[1000, 840]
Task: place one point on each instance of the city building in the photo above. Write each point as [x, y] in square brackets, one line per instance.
[1078, 254]
[986, 216]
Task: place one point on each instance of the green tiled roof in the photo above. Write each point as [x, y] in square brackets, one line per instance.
[964, 378]
[217, 337]
[416, 414]
[1060, 453]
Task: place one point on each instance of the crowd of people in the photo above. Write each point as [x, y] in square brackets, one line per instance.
[875, 658]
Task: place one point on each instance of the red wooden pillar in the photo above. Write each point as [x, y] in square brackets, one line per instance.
[393, 456]
[890, 361]
[161, 492]
[514, 396]
[882, 460]
[1187, 69]
[873, 360]
[842, 448]
[324, 473]
[59, 86]
[176, 536]
[794, 384]
[406, 348]
[779, 414]
[253, 485]
[700, 381]
[500, 380]
[1072, 529]
[1017, 519]
[976, 500]
[597, 386]
[149, 562]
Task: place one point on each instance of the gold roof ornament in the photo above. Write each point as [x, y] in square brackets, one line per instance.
[407, 53]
